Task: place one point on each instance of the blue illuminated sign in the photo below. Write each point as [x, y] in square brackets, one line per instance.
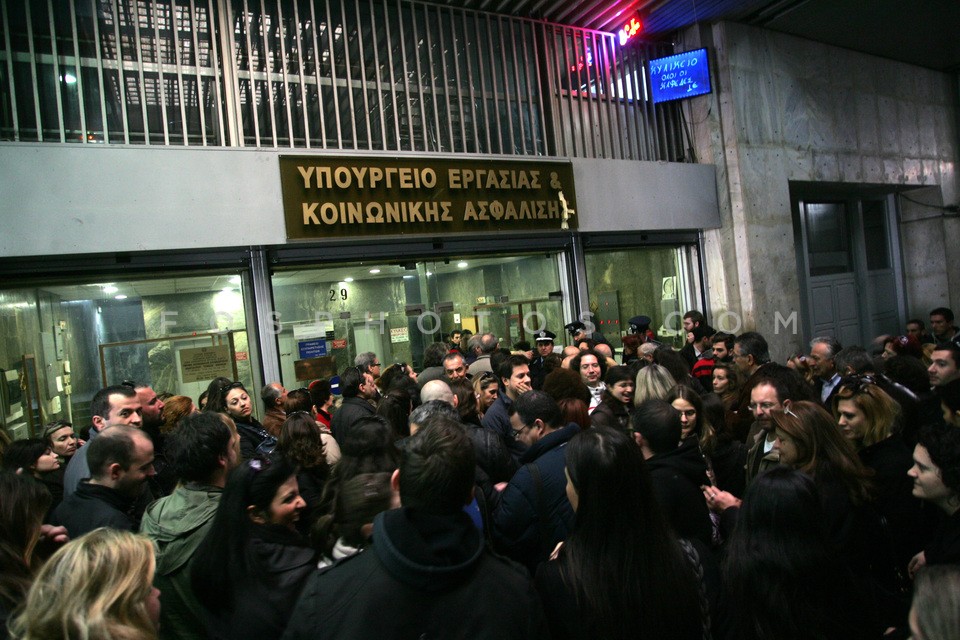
[680, 76]
[312, 348]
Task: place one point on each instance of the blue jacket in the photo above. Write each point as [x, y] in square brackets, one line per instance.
[532, 517]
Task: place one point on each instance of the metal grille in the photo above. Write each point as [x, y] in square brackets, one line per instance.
[110, 71]
[368, 75]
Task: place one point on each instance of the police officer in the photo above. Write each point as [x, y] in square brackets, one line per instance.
[578, 332]
[640, 325]
[544, 340]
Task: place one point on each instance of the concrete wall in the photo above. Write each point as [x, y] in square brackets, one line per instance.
[72, 199]
[786, 109]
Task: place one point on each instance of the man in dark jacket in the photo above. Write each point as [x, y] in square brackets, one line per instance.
[358, 389]
[202, 451]
[428, 573]
[110, 407]
[514, 374]
[121, 461]
[533, 513]
[677, 473]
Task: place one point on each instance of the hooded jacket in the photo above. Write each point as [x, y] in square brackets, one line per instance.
[425, 576]
[177, 524]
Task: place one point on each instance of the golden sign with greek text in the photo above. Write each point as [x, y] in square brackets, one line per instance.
[357, 196]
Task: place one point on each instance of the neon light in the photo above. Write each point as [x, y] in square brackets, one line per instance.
[630, 29]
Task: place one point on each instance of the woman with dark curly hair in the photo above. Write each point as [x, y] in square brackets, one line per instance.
[300, 443]
[936, 479]
[232, 399]
[614, 409]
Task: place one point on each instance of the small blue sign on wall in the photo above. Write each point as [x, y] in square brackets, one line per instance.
[680, 76]
[312, 348]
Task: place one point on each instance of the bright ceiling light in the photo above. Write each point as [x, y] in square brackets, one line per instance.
[120, 297]
[348, 279]
[110, 289]
[462, 265]
[235, 280]
[374, 271]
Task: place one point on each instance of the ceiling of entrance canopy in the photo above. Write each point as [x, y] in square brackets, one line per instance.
[921, 33]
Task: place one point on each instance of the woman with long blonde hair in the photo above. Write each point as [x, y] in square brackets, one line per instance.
[97, 586]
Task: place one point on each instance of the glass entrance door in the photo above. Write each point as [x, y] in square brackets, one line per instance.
[327, 314]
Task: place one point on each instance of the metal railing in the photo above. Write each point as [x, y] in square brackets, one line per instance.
[369, 75]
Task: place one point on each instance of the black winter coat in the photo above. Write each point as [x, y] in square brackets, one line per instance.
[907, 524]
[944, 545]
[350, 411]
[252, 434]
[677, 476]
[262, 604]
[93, 506]
[611, 413]
[425, 576]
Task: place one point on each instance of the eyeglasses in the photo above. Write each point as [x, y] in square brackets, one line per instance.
[487, 375]
[765, 406]
[787, 411]
[129, 383]
[374, 364]
[516, 433]
[402, 365]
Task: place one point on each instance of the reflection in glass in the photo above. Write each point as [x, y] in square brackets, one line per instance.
[87, 334]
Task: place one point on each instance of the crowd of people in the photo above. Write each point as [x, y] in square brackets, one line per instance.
[527, 492]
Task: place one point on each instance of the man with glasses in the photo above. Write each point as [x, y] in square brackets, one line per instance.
[772, 391]
[368, 362]
[533, 513]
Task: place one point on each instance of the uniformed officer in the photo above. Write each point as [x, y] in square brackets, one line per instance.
[578, 332]
[544, 340]
[640, 325]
